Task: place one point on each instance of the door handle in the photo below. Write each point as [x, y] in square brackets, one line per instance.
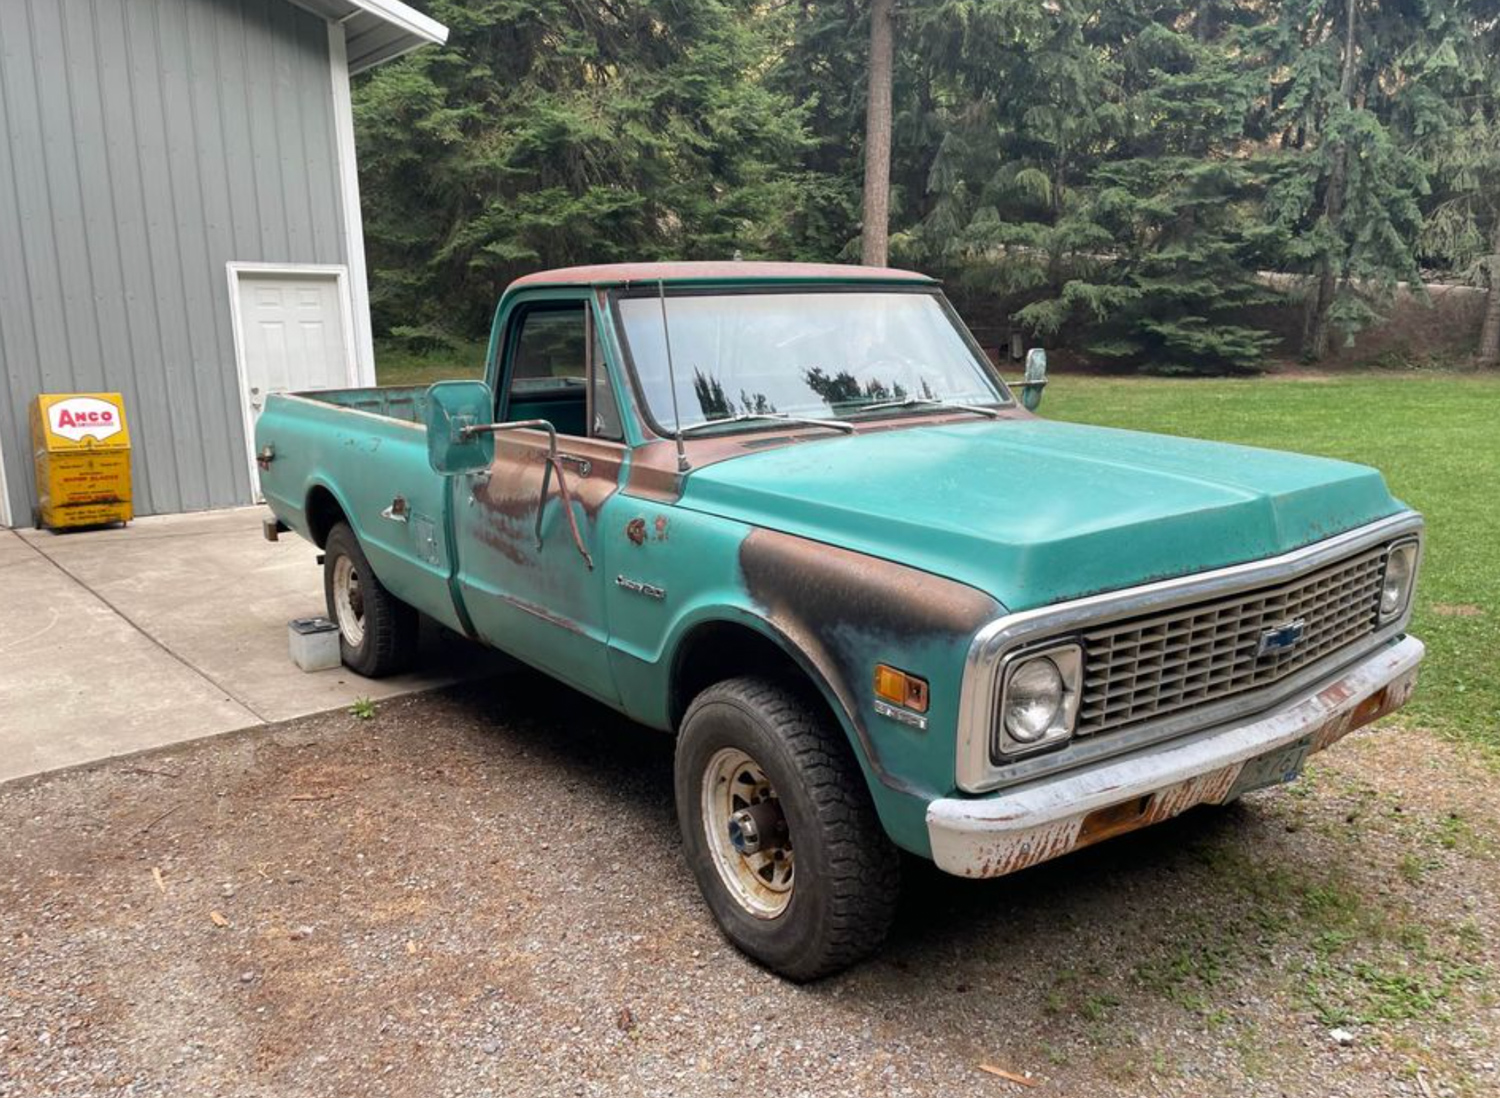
[582, 464]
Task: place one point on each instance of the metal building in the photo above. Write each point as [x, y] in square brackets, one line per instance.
[179, 221]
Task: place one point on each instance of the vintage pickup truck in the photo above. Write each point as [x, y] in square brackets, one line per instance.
[792, 514]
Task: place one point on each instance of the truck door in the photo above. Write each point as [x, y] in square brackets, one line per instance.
[544, 603]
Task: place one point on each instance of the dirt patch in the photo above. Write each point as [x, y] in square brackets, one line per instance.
[1458, 610]
[481, 893]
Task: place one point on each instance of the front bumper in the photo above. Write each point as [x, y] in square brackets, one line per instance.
[995, 835]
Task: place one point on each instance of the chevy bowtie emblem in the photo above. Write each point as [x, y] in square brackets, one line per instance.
[1281, 638]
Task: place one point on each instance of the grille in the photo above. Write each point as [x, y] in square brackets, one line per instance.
[1141, 668]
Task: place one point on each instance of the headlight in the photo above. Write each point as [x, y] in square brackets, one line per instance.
[1039, 699]
[1032, 702]
[1400, 575]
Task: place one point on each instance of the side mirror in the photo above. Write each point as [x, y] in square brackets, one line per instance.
[1035, 379]
[454, 410]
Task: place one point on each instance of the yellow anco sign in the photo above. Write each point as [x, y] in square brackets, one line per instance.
[82, 449]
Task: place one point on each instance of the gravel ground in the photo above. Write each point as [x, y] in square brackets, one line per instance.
[480, 893]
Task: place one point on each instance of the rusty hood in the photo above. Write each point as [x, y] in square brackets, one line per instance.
[1034, 511]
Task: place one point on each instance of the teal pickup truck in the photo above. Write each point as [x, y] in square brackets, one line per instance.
[791, 514]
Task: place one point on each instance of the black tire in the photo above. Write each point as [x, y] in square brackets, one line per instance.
[387, 642]
[846, 876]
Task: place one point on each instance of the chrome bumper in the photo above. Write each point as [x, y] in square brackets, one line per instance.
[999, 834]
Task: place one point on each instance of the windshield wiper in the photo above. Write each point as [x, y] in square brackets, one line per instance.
[931, 402]
[780, 417]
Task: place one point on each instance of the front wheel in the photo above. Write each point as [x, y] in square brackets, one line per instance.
[779, 830]
[377, 631]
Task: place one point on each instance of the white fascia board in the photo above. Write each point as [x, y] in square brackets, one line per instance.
[353, 225]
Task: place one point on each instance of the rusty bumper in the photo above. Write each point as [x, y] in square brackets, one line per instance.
[995, 835]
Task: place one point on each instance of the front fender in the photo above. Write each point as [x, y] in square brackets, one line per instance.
[836, 614]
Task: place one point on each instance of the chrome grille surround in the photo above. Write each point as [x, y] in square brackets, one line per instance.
[1141, 685]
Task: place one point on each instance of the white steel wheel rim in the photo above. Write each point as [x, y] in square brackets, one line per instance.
[761, 883]
[349, 601]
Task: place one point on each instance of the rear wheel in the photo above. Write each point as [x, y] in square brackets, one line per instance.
[377, 631]
[780, 831]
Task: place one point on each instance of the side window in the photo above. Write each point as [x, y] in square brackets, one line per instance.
[550, 353]
[557, 373]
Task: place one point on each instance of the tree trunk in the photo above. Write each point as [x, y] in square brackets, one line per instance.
[1320, 303]
[875, 236]
[1489, 335]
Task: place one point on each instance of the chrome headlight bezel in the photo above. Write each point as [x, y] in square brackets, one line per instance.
[1067, 658]
[1409, 550]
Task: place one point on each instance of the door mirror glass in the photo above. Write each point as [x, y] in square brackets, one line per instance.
[1036, 378]
[453, 408]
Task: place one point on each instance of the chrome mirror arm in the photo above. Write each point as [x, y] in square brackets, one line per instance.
[466, 433]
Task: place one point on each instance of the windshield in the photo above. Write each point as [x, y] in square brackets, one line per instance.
[815, 355]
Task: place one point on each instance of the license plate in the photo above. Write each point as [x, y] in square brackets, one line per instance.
[1272, 768]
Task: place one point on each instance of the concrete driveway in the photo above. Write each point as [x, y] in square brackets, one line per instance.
[115, 641]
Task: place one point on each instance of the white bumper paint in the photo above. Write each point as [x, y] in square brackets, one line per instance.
[998, 834]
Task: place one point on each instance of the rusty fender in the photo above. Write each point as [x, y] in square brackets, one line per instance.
[845, 612]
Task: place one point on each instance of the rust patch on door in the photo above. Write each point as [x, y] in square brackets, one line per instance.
[510, 500]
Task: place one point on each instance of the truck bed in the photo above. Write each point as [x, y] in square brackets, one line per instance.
[404, 402]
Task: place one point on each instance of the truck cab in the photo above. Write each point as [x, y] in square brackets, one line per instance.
[792, 515]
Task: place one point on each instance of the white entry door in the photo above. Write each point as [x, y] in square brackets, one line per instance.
[292, 332]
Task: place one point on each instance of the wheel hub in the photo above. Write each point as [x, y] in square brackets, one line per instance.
[761, 826]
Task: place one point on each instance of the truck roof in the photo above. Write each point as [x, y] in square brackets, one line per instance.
[623, 274]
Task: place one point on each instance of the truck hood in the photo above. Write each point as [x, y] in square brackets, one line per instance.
[1034, 511]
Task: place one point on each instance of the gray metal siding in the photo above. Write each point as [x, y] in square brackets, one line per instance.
[144, 144]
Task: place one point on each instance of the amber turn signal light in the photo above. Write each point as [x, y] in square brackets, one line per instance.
[899, 688]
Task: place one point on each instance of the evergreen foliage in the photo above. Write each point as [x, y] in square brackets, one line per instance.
[549, 132]
[1117, 176]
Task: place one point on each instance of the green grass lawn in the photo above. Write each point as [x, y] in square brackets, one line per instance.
[1437, 439]
[397, 366]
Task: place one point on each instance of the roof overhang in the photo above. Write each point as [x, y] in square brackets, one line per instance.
[377, 30]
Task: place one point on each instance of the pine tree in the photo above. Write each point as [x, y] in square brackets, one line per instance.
[1462, 228]
[1114, 175]
[1109, 190]
[1345, 185]
[548, 132]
